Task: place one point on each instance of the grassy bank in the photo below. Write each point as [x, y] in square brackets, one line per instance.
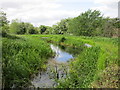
[22, 57]
[91, 68]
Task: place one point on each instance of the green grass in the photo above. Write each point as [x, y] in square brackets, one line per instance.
[88, 65]
[22, 58]
[85, 70]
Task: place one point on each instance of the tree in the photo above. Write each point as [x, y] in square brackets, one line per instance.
[61, 27]
[4, 27]
[55, 29]
[22, 29]
[17, 27]
[86, 23]
[48, 30]
[30, 29]
[36, 30]
[43, 28]
[14, 26]
[110, 27]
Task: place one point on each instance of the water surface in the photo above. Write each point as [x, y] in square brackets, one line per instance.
[57, 68]
[61, 56]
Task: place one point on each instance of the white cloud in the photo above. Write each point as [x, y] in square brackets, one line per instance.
[105, 1]
[48, 12]
[35, 11]
[108, 7]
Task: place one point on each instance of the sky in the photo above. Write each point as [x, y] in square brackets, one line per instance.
[49, 12]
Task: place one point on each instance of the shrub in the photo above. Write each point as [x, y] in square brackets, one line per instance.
[21, 59]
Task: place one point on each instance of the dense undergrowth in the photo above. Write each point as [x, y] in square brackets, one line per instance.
[88, 68]
[22, 57]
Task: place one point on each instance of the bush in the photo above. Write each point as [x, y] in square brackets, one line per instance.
[21, 59]
[82, 70]
[62, 39]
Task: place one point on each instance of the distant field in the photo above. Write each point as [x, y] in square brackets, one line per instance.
[95, 66]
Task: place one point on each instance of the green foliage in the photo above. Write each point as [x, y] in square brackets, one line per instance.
[62, 39]
[87, 67]
[22, 58]
[43, 28]
[55, 29]
[83, 69]
[4, 27]
[61, 27]
[110, 27]
[17, 27]
[116, 22]
[3, 19]
[25, 55]
[89, 23]
[86, 23]
[108, 78]
[30, 29]
[49, 30]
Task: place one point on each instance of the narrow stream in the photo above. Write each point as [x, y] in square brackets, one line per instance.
[57, 68]
[61, 56]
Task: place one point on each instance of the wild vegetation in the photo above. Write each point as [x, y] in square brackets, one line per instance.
[87, 67]
[90, 23]
[24, 54]
[22, 58]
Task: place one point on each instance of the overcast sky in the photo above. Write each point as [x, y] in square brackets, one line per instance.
[49, 12]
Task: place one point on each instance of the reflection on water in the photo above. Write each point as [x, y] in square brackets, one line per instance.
[72, 50]
[61, 55]
[57, 68]
[54, 71]
[88, 45]
[44, 80]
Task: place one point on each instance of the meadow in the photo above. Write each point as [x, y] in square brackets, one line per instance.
[95, 67]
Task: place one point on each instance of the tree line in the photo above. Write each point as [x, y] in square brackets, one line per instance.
[89, 23]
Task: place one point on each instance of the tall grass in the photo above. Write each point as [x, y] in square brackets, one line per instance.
[22, 58]
[82, 69]
[88, 65]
